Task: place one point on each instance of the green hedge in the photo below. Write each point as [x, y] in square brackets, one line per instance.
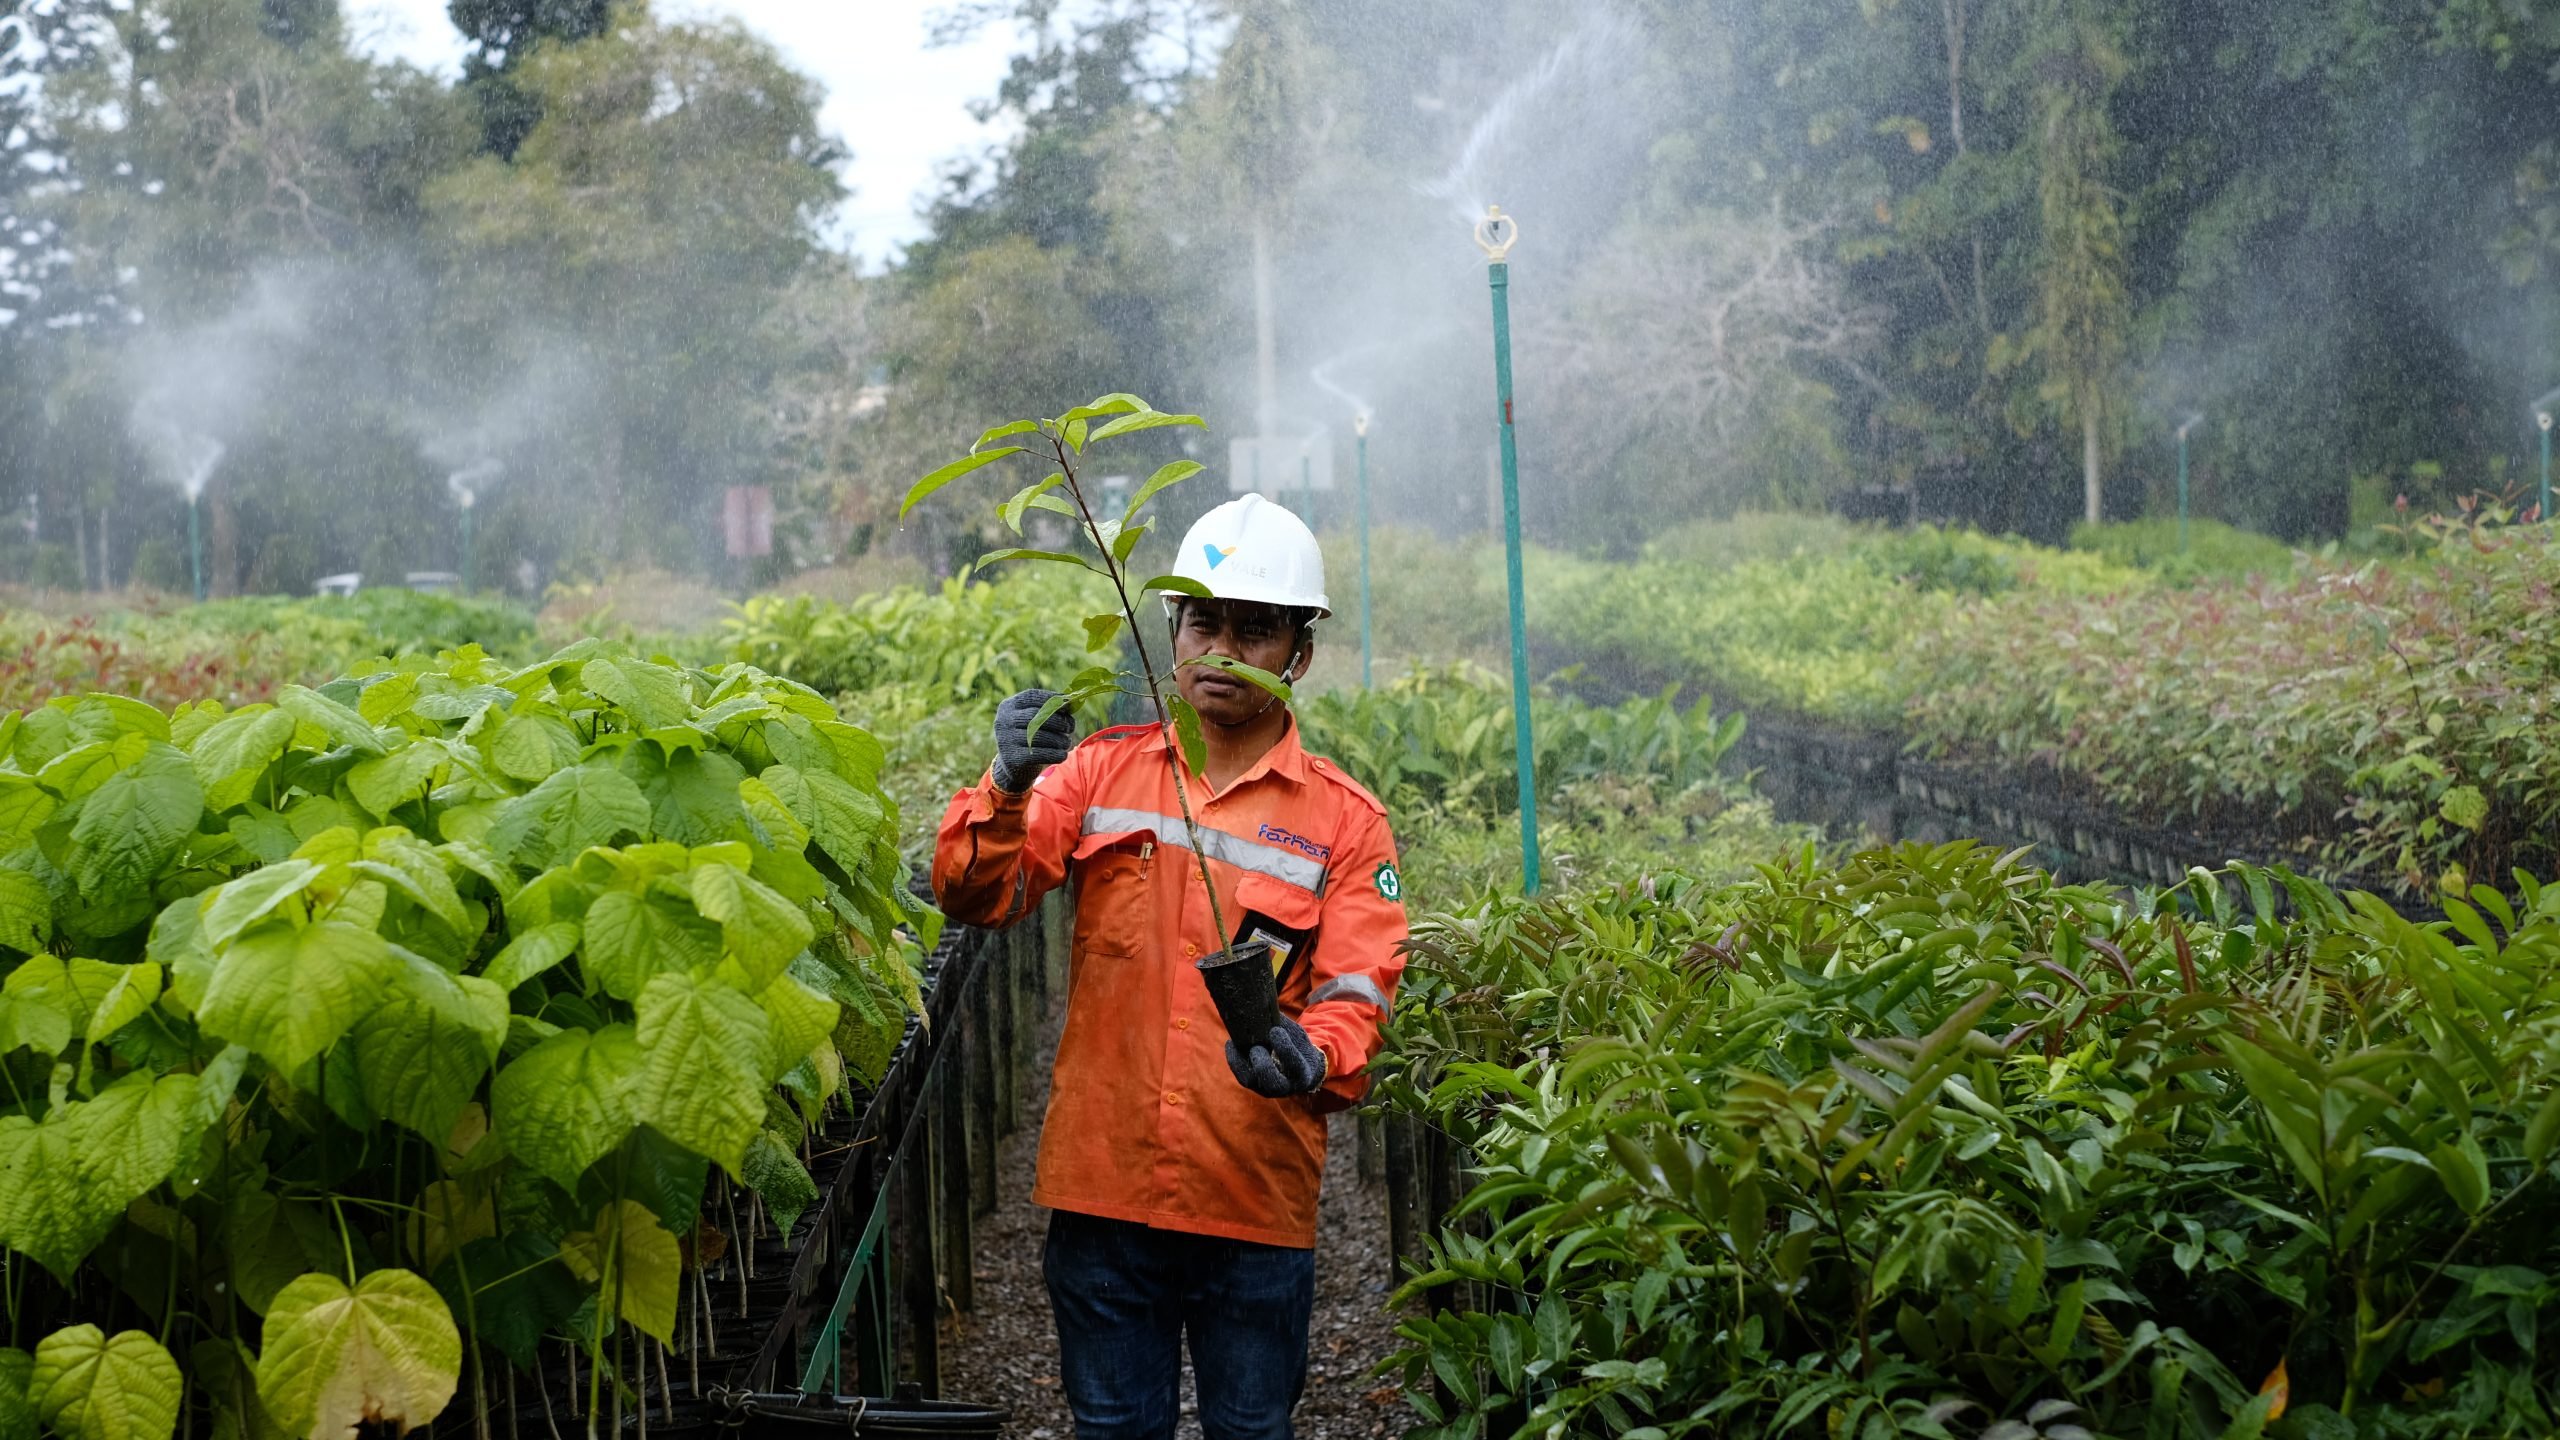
[2398, 719]
[1622, 789]
[2212, 549]
[239, 651]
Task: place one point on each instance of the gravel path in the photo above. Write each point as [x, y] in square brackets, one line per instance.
[1006, 1351]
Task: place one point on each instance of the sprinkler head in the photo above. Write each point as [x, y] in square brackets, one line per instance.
[2542, 418]
[1360, 424]
[1496, 233]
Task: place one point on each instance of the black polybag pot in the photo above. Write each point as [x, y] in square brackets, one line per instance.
[1246, 992]
[737, 1415]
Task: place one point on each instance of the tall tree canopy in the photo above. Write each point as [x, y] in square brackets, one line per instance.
[1771, 252]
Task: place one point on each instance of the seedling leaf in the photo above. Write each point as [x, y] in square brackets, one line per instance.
[1013, 427]
[1187, 733]
[383, 1352]
[951, 472]
[1166, 477]
[87, 1385]
[1180, 585]
[1263, 678]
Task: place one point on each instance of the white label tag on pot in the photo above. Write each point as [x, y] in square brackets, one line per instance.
[1280, 949]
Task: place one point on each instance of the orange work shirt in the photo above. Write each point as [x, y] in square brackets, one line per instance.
[1146, 1123]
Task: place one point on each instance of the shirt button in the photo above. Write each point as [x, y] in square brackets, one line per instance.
[1172, 1097]
[1190, 951]
[1182, 1024]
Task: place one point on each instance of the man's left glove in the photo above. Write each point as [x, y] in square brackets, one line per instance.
[1022, 755]
[1290, 1065]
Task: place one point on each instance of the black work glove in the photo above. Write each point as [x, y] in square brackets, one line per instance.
[1021, 755]
[1290, 1065]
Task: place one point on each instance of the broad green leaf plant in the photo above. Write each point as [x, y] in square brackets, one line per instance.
[348, 1039]
[1062, 442]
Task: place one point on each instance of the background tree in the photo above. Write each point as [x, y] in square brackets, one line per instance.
[566, 262]
[1995, 253]
[503, 33]
[2080, 331]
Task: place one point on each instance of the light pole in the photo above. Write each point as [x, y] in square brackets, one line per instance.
[1360, 448]
[1496, 233]
[2190, 423]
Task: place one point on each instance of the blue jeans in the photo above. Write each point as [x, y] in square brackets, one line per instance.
[1126, 1296]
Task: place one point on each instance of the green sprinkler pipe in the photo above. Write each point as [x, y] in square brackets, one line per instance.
[1307, 487]
[1497, 233]
[468, 500]
[195, 538]
[1360, 446]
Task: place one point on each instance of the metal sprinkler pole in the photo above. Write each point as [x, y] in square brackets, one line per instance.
[468, 506]
[1360, 447]
[2543, 512]
[2182, 489]
[1307, 487]
[1496, 233]
[2190, 423]
[195, 540]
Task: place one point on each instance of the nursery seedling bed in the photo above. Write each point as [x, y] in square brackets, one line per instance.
[773, 1307]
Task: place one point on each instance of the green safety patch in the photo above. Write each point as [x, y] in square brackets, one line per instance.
[1389, 886]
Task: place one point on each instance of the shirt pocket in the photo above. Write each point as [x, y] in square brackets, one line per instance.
[1289, 913]
[1114, 902]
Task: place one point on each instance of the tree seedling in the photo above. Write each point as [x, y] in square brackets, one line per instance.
[1063, 442]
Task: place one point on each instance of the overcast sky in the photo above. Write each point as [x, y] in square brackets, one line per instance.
[899, 105]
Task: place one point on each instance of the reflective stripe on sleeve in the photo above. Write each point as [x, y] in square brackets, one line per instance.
[1286, 866]
[1354, 987]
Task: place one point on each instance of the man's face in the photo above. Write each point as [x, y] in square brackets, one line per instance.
[1258, 635]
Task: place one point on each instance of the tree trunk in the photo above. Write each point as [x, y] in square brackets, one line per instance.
[2090, 481]
[1952, 11]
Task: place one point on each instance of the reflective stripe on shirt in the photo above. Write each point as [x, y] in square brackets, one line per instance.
[1286, 866]
[1356, 987]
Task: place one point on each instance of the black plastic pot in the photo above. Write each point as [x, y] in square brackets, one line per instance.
[1246, 992]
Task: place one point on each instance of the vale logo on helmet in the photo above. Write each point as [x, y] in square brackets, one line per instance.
[1219, 554]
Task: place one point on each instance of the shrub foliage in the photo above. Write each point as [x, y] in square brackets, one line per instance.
[406, 1015]
[1929, 1144]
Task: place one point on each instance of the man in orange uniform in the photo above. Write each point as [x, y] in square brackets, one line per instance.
[1182, 1169]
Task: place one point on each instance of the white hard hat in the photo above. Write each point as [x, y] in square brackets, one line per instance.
[1251, 549]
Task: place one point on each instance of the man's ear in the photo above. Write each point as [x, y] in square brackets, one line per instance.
[1305, 657]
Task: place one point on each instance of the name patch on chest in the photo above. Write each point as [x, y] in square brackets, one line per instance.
[1275, 835]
